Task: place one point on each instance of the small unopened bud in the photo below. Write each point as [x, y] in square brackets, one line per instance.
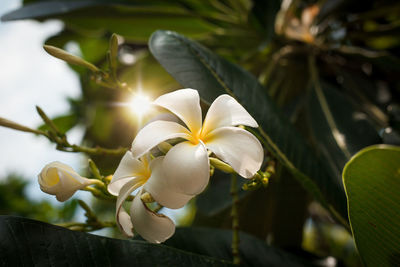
[271, 167]
[108, 178]
[67, 57]
[147, 198]
[113, 51]
[251, 185]
[220, 165]
[164, 147]
[19, 127]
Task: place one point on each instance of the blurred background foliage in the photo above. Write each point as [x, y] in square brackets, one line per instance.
[344, 98]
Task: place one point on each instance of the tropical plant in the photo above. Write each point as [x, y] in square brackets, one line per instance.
[318, 77]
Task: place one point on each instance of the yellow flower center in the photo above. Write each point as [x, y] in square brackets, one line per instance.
[195, 138]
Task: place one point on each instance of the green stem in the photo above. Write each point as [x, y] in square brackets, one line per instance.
[86, 227]
[235, 220]
[13, 125]
[95, 171]
[62, 142]
[98, 150]
[48, 121]
[89, 213]
[92, 222]
[325, 107]
[99, 194]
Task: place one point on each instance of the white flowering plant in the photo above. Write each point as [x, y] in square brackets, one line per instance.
[244, 139]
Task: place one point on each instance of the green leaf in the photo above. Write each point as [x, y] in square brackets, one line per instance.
[372, 182]
[195, 66]
[253, 251]
[217, 198]
[26, 242]
[64, 123]
[134, 20]
[46, 8]
[339, 129]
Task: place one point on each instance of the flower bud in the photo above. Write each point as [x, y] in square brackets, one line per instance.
[71, 59]
[61, 180]
[220, 165]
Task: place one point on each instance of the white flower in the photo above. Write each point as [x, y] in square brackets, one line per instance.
[61, 180]
[133, 173]
[186, 165]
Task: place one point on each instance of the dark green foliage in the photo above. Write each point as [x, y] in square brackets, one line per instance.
[318, 100]
[28, 242]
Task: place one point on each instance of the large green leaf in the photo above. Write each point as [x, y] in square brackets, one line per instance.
[195, 66]
[26, 242]
[253, 251]
[372, 182]
[47, 8]
[135, 20]
[217, 197]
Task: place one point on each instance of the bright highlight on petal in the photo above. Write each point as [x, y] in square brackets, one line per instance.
[238, 148]
[140, 104]
[164, 194]
[185, 104]
[187, 168]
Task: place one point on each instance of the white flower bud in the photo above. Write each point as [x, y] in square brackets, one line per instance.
[61, 180]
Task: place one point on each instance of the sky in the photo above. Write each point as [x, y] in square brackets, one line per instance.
[30, 77]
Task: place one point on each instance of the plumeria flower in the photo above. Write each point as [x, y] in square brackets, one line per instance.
[147, 174]
[62, 181]
[186, 165]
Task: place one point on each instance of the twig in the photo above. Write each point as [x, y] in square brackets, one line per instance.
[235, 220]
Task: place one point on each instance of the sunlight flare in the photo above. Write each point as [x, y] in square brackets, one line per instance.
[140, 104]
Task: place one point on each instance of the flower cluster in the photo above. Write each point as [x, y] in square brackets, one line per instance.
[183, 172]
[172, 180]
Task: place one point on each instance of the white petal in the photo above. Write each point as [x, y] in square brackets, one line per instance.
[226, 111]
[70, 182]
[155, 133]
[153, 227]
[187, 168]
[123, 220]
[238, 148]
[165, 116]
[60, 165]
[128, 168]
[61, 180]
[185, 104]
[157, 186]
[124, 223]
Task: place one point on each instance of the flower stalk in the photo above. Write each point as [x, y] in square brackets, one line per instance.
[92, 222]
[235, 220]
[60, 139]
